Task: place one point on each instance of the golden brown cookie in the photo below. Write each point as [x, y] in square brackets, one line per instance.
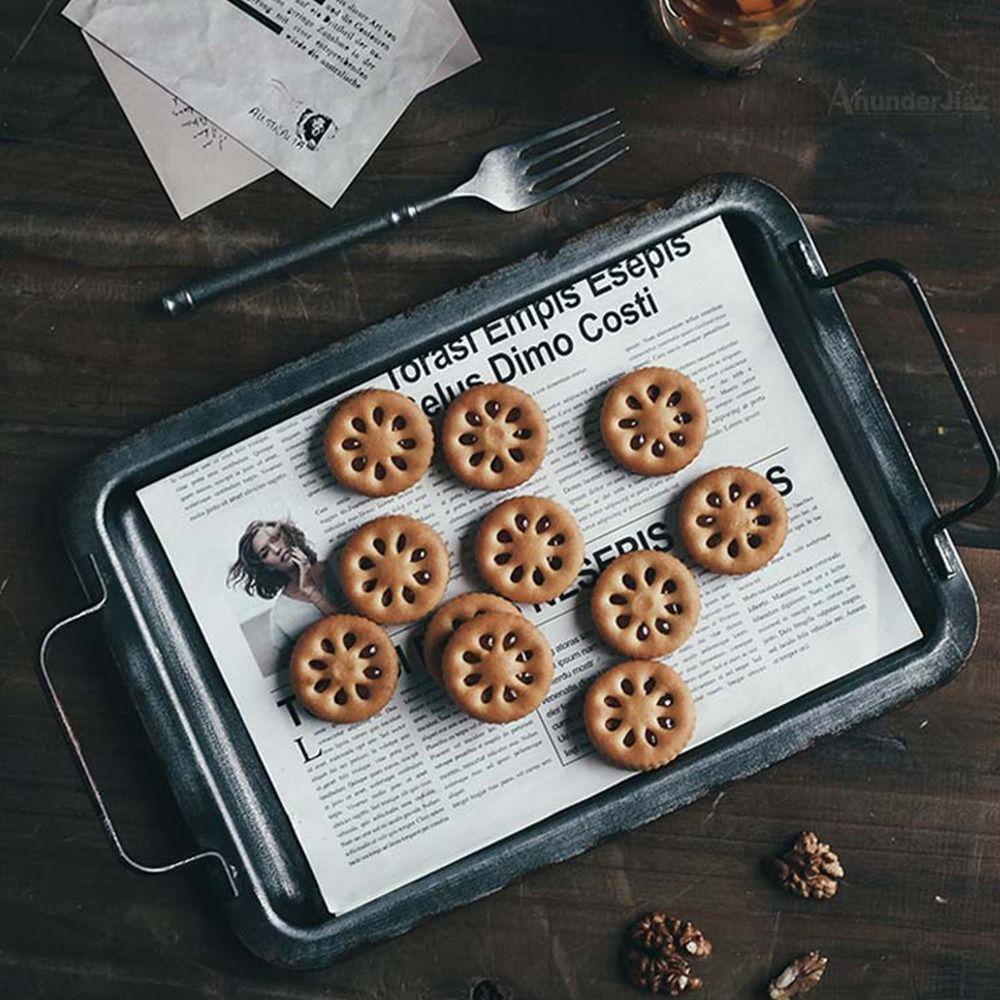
[654, 421]
[378, 442]
[449, 616]
[394, 569]
[497, 667]
[639, 714]
[494, 436]
[529, 549]
[732, 520]
[645, 604]
[344, 668]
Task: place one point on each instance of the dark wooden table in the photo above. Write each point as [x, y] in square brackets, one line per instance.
[912, 800]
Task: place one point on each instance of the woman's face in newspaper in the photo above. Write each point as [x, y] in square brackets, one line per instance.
[271, 547]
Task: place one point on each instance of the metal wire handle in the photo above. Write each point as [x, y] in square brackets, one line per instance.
[808, 267]
[74, 744]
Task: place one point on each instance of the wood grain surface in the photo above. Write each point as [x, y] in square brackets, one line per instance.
[87, 240]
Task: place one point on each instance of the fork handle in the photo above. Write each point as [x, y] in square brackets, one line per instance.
[210, 286]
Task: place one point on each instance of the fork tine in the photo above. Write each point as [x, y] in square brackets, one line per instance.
[566, 147]
[579, 158]
[536, 140]
[581, 176]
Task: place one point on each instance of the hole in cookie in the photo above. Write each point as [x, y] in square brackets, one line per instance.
[487, 696]
[650, 737]
[665, 701]
[372, 673]
[659, 448]
[524, 656]
[358, 464]
[351, 444]
[509, 694]
[492, 408]
[662, 626]
[521, 522]
[653, 391]
[349, 639]
[537, 576]
[378, 415]
[340, 697]
[471, 680]
[398, 423]
[734, 492]
[555, 562]
[318, 664]
[476, 458]
[504, 536]
[487, 640]
[524, 677]
[611, 701]
[363, 691]
[366, 562]
[359, 425]
[557, 540]
[733, 549]
[637, 441]
[470, 657]
[678, 438]
[400, 541]
[468, 438]
[612, 724]
[649, 576]
[418, 554]
[713, 499]
[407, 444]
[629, 738]
[368, 652]
[502, 558]
[473, 418]
[633, 403]
[714, 541]
[523, 433]
[755, 541]
[517, 574]
[754, 501]
[321, 685]
[674, 608]
[496, 465]
[642, 632]
[369, 585]
[674, 398]
[627, 686]
[327, 646]
[629, 580]
[763, 520]
[665, 722]
[408, 595]
[683, 418]
[618, 599]
[510, 640]
[622, 621]
[399, 462]
[543, 524]
[380, 546]
[423, 577]
[669, 586]
[628, 424]
[386, 597]
[514, 415]
[516, 454]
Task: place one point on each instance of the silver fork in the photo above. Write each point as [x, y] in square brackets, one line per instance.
[509, 178]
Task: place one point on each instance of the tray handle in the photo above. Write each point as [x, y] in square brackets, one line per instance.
[813, 272]
[74, 744]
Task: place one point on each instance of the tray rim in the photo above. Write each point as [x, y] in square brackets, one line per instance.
[759, 743]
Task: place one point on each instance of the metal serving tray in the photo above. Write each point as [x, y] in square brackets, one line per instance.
[253, 857]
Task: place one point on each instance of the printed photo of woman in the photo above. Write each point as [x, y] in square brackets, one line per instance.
[275, 562]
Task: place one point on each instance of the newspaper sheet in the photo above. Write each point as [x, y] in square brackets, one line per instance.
[379, 804]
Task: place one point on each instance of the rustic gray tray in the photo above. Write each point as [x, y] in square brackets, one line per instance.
[263, 881]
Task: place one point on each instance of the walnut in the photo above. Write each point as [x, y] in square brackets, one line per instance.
[657, 952]
[809, 869]
[667, 972]
[799, 978]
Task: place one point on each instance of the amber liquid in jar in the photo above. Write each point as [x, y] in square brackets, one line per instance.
[727, 35]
